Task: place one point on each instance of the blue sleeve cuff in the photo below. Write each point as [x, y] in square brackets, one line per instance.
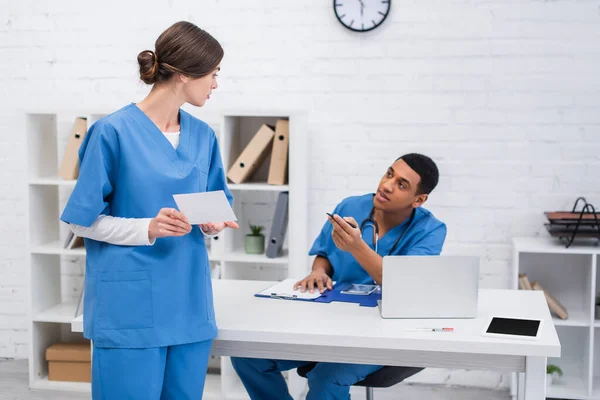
[78, 216]
[317, 253]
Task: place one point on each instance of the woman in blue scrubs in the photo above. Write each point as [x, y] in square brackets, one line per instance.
[148, 304]
[390, 221]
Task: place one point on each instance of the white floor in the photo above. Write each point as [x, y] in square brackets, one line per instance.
[13, 386]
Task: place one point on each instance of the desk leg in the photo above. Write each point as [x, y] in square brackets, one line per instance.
[535, 378]
[520, 386]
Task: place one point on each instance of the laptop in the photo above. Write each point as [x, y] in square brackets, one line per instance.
[429, 287]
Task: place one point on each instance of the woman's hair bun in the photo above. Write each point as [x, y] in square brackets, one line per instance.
[148, 66]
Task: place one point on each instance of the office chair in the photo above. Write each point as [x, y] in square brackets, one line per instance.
[385, 377]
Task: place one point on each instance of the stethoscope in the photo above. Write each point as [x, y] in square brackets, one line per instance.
[371, 222]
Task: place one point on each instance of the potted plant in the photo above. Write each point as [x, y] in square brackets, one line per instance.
[597, 313]
[552, 370]
[255, 241]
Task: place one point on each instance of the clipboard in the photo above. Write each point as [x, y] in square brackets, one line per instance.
[284, 291]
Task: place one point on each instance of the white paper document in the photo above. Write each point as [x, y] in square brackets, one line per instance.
[200, 208]
[285, 289]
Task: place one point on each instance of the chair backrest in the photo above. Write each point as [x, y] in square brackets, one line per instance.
[305, 369]
[385, 377]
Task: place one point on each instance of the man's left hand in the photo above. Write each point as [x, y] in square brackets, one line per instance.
[345, 236]
[212, 228]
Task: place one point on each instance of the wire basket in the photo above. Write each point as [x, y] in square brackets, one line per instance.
[571, 225]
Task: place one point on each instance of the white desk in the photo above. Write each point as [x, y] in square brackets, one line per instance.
[343, 332]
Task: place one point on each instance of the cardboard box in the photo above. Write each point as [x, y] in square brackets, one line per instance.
[69, 362]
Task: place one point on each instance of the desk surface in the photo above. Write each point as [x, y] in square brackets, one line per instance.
[242, 317]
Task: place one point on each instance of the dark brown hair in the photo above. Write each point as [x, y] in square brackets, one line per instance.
[427, 170]
[184, 49]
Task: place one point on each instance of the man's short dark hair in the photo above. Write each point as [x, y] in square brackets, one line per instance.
[426, 168]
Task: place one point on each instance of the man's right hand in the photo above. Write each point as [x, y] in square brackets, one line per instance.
[168, 222]
[317, 278]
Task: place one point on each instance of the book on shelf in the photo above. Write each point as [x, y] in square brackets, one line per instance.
[69, 166]
[524, 283]
[555, 307]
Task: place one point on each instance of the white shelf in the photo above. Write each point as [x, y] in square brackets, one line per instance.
[265, 187]
[52, 181]
[576, 318]
[62, 313]
[547, 244]
[77, 324]
[57, 248]
[44, 384]
[568, 387]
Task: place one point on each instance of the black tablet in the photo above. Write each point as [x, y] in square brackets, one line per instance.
[514, 328]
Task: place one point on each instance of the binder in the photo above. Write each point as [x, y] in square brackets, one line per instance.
[69, 166]
[78, 242]
[253, 155]
[279, 226]
[73, 241]
[69, 239]
[278, 169]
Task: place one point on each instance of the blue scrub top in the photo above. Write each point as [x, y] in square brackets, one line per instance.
[425, 236]
[145, 296]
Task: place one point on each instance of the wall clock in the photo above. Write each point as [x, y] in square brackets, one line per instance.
[361, 15]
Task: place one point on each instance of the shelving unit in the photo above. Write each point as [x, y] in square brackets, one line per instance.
[254, 202]
[51, 314]
[571, 276]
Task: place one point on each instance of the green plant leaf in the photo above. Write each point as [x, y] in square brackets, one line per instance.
[553, 369]
[256, 230]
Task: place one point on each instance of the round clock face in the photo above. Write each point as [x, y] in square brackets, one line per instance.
[361, 15]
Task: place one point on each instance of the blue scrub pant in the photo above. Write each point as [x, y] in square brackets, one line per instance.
[326, 381]
[157, 373]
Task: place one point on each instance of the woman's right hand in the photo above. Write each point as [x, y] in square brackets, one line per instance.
[168, 222]
[317, 278]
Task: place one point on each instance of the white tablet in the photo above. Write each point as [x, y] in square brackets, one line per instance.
[513, 328]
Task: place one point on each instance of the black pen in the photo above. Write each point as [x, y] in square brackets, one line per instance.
[349, 223]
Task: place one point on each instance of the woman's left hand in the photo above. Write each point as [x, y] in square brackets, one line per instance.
[212, 228]
[344, 236]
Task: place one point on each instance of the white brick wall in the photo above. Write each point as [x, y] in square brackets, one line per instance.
[504, 94]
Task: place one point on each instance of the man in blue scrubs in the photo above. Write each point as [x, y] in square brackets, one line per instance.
[350, 249]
